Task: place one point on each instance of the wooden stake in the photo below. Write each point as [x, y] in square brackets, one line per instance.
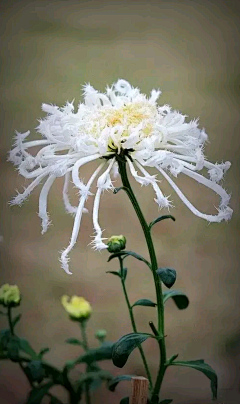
[139, 390]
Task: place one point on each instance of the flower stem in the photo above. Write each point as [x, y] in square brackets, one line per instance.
[9, 315]
[86, 348]
[154, 267]
[134, 326]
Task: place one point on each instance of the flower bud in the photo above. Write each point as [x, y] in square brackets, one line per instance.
[10, 295]
[101, 335]
[116, 243]
[77, 307]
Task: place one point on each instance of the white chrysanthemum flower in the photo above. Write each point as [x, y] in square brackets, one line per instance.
[121, 121]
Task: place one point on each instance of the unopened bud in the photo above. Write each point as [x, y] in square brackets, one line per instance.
[116, 243]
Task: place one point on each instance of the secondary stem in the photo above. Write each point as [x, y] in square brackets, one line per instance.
[157, 281]
[135, 327]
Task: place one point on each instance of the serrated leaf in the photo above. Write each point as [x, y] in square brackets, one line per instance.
[124, 347]
[114, 273]
[26, 347]
[73, 341]
[179, 298]
[36, 371]
[159, 219]
[114, 382]
[104, 352]
[167, 401]
[42, 352]
[203, 367]
[167, 276]
[124, 400]
[16, 320]
[125, 254]
[144, 302]
[36, 395]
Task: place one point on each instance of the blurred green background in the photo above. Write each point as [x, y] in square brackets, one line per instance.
[190, 50]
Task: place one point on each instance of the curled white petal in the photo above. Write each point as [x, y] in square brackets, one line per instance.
[224, 213]
[43, 203]
[77, 221]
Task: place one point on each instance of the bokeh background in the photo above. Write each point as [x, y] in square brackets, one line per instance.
[189, 49]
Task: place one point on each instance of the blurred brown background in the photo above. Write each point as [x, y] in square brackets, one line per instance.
[189, 49]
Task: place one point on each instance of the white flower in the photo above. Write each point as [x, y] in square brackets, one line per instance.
[120, 121]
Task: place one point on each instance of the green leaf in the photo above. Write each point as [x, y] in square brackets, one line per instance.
[36, 371]
[124, 400]
[91, 376]
[5, 336]
[104, 352]
[167, 276]
[167, 401]
[54, 373]
[203, 367]
[125, 254]
[73, 341]
[144, 302]
[36, 395]
[26, 347]
[42, 352]
[114, 273]
[16, 320]
[179, 298]
[159, 219]
[125, 345]
[13, 348]
[114, 382]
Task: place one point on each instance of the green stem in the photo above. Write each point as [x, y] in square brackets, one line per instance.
[154, 266]
[134, 326]
[9, 315]
[86, 348]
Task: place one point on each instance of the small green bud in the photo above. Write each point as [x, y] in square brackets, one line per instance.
[101, 335]
[10, 295]
[116, 243]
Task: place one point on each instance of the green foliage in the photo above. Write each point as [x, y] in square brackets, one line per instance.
[179, 298]
[42, 352]
[114, 273]
[125, 254]
[159, 219]
[124, 400]
[37, 394]
[203, 367]
[73, 341]
[16, 320]
[35, 371]
[114, 382]
[144, 302]
[167, 276]
[167, 401]
[104, 352]
[26, 347]
[124, 347]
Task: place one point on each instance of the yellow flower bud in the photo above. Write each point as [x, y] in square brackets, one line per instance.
[77, 307]
[10, 295]
[116, 243]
